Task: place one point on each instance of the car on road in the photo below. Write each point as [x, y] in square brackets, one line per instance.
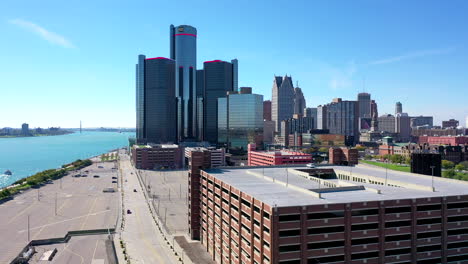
[134, 190]
[310, 165]
[114, 181]
[77, 175]
[113, 177]
[100, 167]
[96, 176]
[128, 211]
[84, 175]
[109, 189]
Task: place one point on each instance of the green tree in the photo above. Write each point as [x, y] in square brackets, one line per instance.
[361, 148]
[368, 157]
[459, 167]
[449, 174]
[408, 160]
[446, 164]
[464, 164]
[396, 158]
[323, 149]
[386, 157]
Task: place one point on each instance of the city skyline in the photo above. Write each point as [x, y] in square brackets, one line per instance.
[53, 48]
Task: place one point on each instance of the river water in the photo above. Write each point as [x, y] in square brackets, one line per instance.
[28, 155]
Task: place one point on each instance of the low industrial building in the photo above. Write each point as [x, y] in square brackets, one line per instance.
[328, 214]
[157, 156]
[276, 157]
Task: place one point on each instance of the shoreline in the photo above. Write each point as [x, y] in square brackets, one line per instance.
[66, 167]
[38, 135]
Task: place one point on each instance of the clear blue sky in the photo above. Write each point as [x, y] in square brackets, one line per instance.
[65, 61]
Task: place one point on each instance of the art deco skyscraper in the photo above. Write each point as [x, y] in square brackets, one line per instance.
[183, 49]
[299, 101]
[282, 100]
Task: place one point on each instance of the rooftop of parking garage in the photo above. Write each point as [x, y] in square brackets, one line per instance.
[299, 185]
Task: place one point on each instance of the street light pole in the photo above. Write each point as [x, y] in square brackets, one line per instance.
[432, 178]
[386, 175]
[28, 230]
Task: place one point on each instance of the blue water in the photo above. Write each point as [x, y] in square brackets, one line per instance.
[29, 155]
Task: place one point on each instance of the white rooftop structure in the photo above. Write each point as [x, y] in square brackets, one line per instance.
[293, 186]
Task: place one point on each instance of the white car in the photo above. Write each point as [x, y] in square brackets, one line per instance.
[310, 165]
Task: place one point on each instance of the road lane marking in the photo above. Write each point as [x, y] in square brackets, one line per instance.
[66, 220]
[21, 212]
[58, 210]
[82, 259]
[94, 253]
[89, 212]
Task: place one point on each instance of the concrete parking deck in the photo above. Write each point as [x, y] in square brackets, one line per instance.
[80, 249]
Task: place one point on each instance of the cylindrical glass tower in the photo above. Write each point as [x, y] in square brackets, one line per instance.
[184, 51]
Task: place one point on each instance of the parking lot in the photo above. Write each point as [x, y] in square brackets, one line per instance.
[72, 203]
[169, 190]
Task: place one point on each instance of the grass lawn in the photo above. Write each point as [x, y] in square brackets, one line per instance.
[389, 166]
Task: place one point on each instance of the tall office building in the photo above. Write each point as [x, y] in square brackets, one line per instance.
[452, 123]
[374, 109]
[267, 110]
[240, 119]
[321, 117]
[218, 80]
[403, 127]
[311, 112]
[183, 49]
[427, 121]
[200, 90]
[398, 108]
[25, 129]
[343, 118]
[155, 100]
[387, 123]
[299, 101]
[364, 101]
[282, 101]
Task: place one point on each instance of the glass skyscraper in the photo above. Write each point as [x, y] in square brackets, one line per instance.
[218, 80]
[240, 119]
[183, 49]
[155, 100]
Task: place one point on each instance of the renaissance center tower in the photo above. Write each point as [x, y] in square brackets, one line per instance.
[183, 49]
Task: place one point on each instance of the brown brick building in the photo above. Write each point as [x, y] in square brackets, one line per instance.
[346, 215]
[150, 157]
[342, 156]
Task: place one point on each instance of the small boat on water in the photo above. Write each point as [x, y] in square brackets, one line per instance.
[8, 172]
